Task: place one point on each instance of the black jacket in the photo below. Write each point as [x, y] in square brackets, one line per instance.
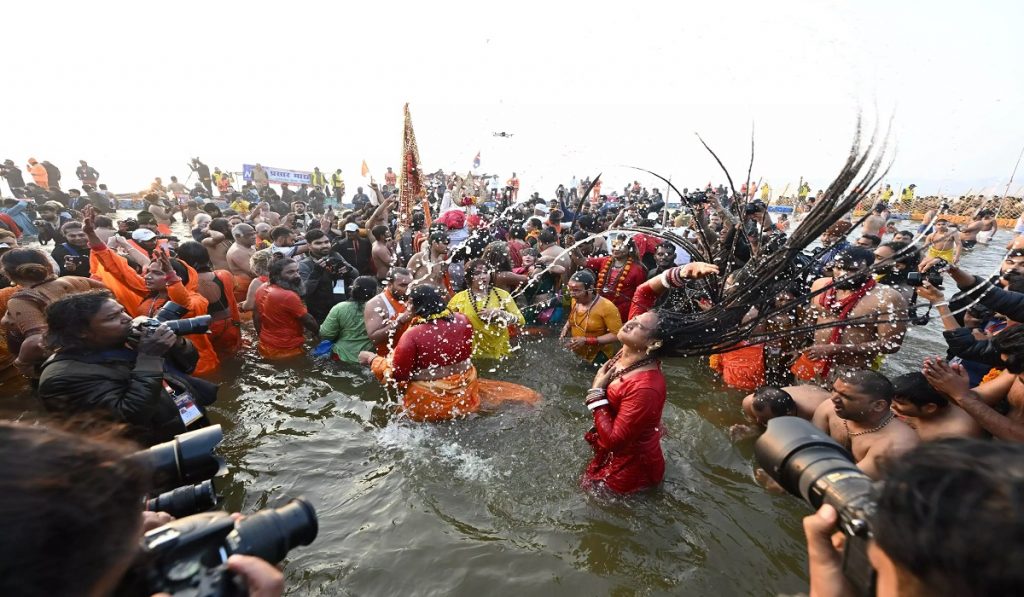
[318, 284]
[114, 384]
[961, 343]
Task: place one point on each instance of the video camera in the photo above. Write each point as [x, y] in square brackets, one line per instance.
[170, 315]
[812, 466]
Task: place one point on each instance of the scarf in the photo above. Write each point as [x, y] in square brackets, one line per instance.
[842, 309]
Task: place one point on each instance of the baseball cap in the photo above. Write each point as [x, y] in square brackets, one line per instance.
[351, 227]
[143, 234]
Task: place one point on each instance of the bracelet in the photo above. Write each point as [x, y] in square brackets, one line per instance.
[596, 391]
[674, 278]
[597, 404]
[591, 341]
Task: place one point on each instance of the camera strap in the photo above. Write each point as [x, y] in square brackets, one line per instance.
[187, 408]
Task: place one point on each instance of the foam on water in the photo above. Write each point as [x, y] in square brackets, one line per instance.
[420, 444]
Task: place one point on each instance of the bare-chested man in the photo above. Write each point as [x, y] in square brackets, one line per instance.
[859, 417]
[768, 402]
[866, 317]
[238, 256]
[385, 315]
[875, 223]
[944, 242]
[218, 242]
[981, 401]
[383, 251]
[930, 413]
[983, 221]
[430, 265]
[162, 215]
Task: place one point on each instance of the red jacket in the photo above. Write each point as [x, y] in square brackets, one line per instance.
[627, 440]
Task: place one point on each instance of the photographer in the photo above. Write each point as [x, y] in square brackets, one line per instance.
[93, 369]
[72, 255]
[947, 524]
[72, 516]
[326, 276]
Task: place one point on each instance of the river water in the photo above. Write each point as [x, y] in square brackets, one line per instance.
[491, 504]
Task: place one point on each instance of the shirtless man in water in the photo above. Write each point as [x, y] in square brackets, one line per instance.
[852, 295]
[875, 223]
[944, 242]
[238, 256]
[930, 413]
[430, 264]
[767, 403]
[982, 401]
[858, 416]
[984, 221]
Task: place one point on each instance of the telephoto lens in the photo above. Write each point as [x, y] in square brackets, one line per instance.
[200, 324]
[185, 501]
[170, 311]
[270, 534]
[187, 459]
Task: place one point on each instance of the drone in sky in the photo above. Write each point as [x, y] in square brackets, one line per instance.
[503, 134]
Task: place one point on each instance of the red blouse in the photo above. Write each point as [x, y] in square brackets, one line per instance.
[627, 440]
[434, 343]
[636, 276]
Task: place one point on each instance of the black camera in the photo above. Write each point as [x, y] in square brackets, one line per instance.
[185, 501]
[933, 274]
[186, 459]
[812, 466]
[188, 556]
[170, 315]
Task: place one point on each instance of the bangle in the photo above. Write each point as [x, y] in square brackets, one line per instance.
[591, 341]
[596, 404]
[595, 394]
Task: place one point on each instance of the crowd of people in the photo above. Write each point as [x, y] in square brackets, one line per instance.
[420, 297]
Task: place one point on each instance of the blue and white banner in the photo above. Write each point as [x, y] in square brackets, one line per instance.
[278, 175]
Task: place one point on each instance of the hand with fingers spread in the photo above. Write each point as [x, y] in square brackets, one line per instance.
[951, 380]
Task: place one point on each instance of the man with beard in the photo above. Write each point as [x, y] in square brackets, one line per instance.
[897, 260]
[72, 256]
[983, 402]
[386, 315]
[851, 295]
[280, 318]
[326, 276]
[299, 219]
[858, 416]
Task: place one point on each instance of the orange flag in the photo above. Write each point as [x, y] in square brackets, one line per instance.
[366, 169]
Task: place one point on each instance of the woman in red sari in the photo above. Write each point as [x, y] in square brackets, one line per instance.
[628, 395]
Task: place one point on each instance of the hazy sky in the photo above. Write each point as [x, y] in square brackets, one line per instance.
[139, 88]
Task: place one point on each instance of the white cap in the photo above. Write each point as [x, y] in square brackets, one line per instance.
[143, 234]
[351, 227]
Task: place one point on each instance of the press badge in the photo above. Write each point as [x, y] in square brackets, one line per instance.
[187, 409]
[339, 287]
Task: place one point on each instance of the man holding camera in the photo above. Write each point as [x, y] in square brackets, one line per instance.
[944, 523]
[134, 371]
[326, 275]
[72, 256]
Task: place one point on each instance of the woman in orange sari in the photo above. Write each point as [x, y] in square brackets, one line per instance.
[431, 364]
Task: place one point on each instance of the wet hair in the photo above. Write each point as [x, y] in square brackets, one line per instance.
[438, 237]
[71, 507]
[426, 300]
[530, 251]
[855, 255]
[963, 495]
[869, 382]
[517, 232]
[315, 234]
[68, 317]
[145, 218]
[548, 236]
[914, 388]
[276, 267]
[28, 265]
[221, 225]
[379, 231]
[776, 401]
[585, 277]
[364, 289]
[259, 262]
[472, 265]
[196, 255]
[496, 254]
[280, 232]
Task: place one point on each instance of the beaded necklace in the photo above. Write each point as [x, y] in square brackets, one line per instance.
[486, 301]
[602, 277]
[620, 372]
